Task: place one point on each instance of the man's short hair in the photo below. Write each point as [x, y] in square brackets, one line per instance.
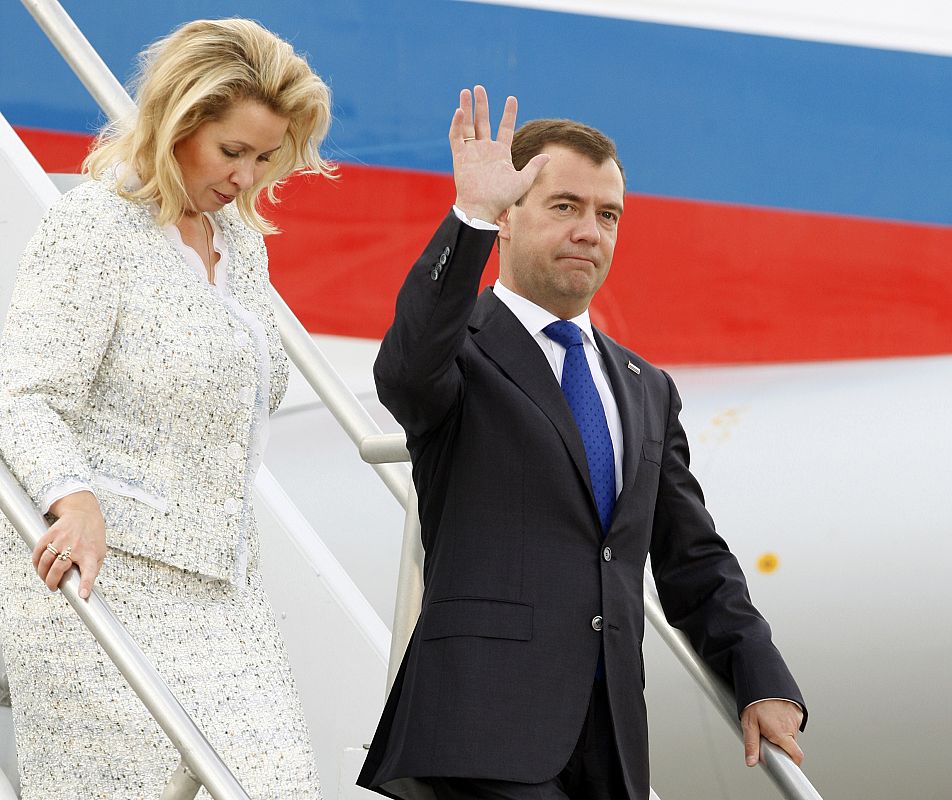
[533, 137]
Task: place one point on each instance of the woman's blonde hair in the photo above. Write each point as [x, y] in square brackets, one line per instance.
[195, 75]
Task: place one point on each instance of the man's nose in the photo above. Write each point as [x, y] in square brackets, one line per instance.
[586, 229]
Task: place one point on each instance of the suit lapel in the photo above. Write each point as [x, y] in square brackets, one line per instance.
[500, 335]
[629, 390]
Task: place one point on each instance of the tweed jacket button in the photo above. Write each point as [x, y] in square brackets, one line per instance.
[233, 506]
[241, 338]
[246, 395]
[596, 623]
[607, 554]
[235, 451]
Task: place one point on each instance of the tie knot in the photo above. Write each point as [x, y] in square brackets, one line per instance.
[564, 332]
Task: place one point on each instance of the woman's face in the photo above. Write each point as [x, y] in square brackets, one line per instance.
[227, 156]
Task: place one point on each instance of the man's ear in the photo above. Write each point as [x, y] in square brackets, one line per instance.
[503, 222]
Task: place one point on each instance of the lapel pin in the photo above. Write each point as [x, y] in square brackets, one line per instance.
[633, 368]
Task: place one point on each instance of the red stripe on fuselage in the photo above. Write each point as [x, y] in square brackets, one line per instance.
[692, 282]
[56, 151]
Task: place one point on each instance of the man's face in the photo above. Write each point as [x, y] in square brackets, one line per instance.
[556, 248]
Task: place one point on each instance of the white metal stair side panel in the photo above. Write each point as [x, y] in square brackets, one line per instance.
[27, 193]
[7, 792]
[8, 750]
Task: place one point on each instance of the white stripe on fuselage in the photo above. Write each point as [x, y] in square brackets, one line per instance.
[923, 26]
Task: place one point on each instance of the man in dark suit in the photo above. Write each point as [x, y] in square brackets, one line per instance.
[549, 462]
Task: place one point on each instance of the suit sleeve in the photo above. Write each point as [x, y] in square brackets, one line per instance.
[59, 324]
[701, 585]
[417, 373]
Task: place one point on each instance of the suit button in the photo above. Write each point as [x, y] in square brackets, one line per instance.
[434, 274]
[443, 259]
[596, 623]
[607, 554]
[446, 252]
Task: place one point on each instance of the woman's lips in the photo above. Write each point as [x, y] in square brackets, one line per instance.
[223, 198]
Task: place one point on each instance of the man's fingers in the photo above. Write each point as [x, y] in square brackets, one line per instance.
[456, 128]
[507, 125]
[789, 745]
[482, 126]
[751, 741]
[534, 167]
[466, 106]
[777, 720]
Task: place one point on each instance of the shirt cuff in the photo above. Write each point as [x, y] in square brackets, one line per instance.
[786, 700]
[479, 224]
[60, 491]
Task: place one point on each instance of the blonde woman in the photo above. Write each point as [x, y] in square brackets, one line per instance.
[138, 366]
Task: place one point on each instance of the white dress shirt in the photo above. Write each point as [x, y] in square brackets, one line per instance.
[534, 318]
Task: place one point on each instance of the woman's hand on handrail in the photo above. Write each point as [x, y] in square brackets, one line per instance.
[77, 537]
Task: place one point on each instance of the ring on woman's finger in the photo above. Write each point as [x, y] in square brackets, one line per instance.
[64, 556]
[469, 138]
[53, 550]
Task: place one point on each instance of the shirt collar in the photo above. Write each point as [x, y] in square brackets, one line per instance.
[534, 318]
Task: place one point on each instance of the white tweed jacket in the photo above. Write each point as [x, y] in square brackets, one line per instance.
[123, 369]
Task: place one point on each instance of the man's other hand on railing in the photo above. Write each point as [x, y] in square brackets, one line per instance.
[777, 721]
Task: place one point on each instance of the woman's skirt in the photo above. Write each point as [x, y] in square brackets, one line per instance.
[81, 731]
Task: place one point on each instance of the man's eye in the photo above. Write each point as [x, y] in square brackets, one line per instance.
[563, 207]
[611, 216]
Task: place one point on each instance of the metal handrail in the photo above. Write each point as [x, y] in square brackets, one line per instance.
[82, 57]
[135, 667]
[409, 596]
[335, 393]
[786, 775]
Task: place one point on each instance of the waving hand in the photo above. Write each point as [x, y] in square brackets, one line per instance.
[486, 181]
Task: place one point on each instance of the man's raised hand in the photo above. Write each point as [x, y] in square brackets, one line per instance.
[486, 181]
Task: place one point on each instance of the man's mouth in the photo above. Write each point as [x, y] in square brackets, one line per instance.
[576, 257]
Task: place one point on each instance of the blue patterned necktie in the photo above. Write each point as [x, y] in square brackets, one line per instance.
[586, 406]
